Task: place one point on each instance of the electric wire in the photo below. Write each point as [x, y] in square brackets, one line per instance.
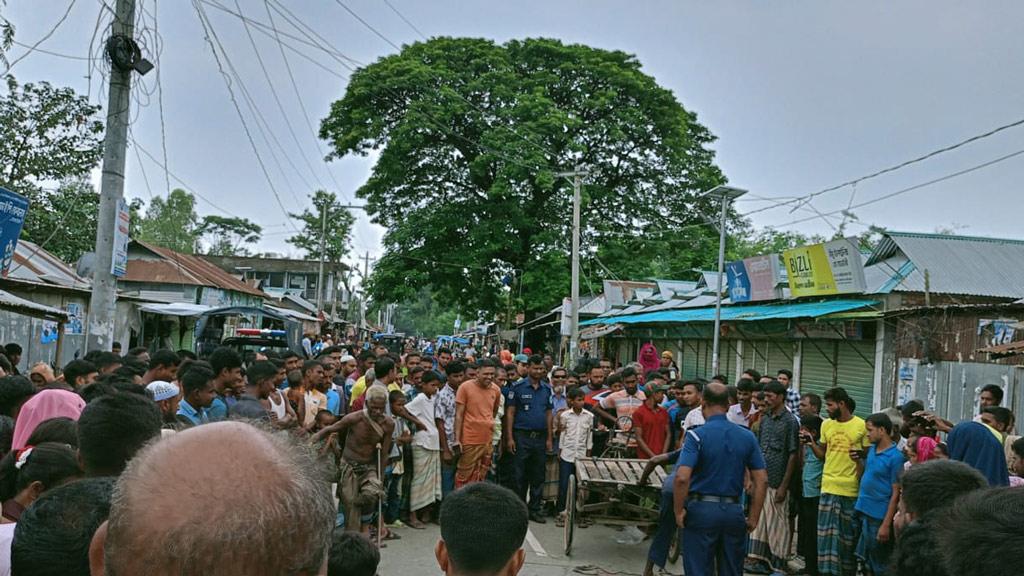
[34, 46]
[208, 32]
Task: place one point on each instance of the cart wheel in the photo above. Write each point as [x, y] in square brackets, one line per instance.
[570, 514]
[673, 549]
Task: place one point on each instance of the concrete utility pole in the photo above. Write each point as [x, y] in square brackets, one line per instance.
[574, 322]
[320, 275]
[362, 289]
[103, 300]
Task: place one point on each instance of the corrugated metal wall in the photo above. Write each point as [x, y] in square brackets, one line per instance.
[952, 336]
[952, 388]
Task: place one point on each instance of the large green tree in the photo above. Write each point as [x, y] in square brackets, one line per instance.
[64, 219]
[171, 222]
[339, 227]
[47, 133]
[228, 235]
[471, 135]
[424, 316]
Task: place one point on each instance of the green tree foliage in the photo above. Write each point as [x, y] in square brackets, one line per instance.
[171, 222]
[50, 134]
[424, 316]
[46, 134]
[471, 134]
[6, 35]
[63, 220]
[749, 241]
[339, 227]
[229, 236]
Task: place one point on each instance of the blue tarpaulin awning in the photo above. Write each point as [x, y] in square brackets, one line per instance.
[739, 313]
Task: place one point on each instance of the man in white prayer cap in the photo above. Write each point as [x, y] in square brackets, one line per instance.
[167, 395]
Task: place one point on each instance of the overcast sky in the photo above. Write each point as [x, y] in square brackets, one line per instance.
[802, 95]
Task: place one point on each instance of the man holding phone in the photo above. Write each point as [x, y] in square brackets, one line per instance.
[843, 442]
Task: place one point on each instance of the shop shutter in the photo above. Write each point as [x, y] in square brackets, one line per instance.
[755, 355]
[727, 360]
[816, 366]
[856, 373]
[703, 357]
[780, 355]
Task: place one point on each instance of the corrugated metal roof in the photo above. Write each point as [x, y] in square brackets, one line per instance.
[670, 288]
[178, 268]
[592, 307]
[619, 292]
[20, 305]
[739, 313]
[966, 265]
[34, 264]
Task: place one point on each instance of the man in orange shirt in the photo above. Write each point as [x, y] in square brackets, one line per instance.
[476, 404]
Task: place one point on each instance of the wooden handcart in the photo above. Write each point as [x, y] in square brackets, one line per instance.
[613, 487]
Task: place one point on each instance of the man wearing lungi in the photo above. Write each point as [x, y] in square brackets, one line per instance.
[476, 404]
[366, 436]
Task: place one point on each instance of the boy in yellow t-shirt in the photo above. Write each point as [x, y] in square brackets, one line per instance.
[842, 444]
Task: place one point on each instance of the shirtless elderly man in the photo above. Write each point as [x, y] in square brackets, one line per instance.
[366, 437]
[182, 508]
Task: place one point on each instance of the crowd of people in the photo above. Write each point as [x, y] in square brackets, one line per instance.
[121, 451]
[161, 462]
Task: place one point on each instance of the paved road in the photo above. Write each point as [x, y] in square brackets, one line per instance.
[593, 546]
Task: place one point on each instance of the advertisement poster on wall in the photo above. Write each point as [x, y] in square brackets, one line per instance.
[906, 381]
[76, 320]
[834, 267]
[119, 264]
[753, 279]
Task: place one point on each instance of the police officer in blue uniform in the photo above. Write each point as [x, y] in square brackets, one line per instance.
[529, 433]
[707, 489]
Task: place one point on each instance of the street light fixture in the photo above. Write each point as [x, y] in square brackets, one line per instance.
[724, 194]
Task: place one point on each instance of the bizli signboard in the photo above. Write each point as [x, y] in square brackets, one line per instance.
[13, 208]
[753, 279]
[822, 269]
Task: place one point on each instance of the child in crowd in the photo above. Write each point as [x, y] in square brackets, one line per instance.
[879, 493]
[1017, 465]
[807, 535]
[426, 453]
[352, 554]
[400, 438]
[324, 418]
[576, 440]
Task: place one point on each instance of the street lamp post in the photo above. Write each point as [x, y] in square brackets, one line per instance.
[725, 194]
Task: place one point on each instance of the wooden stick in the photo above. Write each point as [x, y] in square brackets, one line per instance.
[380, 499]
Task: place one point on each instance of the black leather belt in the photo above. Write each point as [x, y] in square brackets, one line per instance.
[532, 433]
[713, 498]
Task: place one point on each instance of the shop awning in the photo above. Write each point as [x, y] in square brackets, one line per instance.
[176, 309]
[751, 313]
[1004, 350]
[20, 305]
[291, 313]
[598, 331]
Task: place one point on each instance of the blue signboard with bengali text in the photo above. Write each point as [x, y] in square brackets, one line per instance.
[13, 208]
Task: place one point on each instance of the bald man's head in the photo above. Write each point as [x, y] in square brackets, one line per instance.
[223, 498]
[716, 394]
